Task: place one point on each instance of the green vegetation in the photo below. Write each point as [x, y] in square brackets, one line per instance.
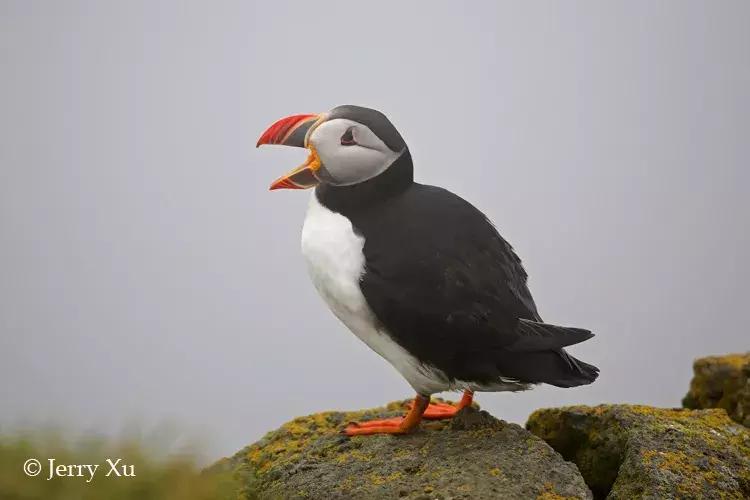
[172, 478]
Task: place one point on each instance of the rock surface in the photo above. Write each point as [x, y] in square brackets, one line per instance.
[722, 382]
[472, 456]
[628, 452]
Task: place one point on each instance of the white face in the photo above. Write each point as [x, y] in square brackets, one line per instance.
[350, 152]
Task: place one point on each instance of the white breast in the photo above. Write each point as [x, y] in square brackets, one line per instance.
[333, 252]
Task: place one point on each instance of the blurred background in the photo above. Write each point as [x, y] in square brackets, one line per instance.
[146, 271]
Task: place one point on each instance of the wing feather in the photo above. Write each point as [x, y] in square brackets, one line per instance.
[455, 291]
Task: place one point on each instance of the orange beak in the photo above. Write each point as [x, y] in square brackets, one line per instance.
[294, 131]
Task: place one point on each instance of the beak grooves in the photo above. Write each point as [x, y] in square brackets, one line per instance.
[283, 131]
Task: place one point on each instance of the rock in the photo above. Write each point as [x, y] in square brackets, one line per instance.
[628, 451]
[722, 382]
[472, 456]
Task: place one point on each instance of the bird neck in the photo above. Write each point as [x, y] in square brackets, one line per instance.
[398, 177]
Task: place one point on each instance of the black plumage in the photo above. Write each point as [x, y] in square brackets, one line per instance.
[448, 288]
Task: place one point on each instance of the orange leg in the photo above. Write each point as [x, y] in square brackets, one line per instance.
[397, 425]
[437, 411]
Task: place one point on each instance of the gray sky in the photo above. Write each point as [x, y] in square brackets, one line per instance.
[146, 272]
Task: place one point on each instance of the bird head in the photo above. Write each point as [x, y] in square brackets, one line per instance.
[348, 145]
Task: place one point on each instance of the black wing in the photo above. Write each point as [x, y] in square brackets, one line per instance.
[442, 280]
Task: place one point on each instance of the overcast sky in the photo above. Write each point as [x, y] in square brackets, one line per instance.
[146, 272]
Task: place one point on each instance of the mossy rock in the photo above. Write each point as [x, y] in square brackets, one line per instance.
[634, 452]
[721, 382]
[472, 456]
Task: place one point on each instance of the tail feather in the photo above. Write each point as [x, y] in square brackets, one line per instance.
[535, 336]
[556, 368]
[579, 373]
[538, 355]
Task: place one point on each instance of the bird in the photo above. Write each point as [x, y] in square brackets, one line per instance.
[416, 272]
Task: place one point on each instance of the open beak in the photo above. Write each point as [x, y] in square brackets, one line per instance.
[294, 131]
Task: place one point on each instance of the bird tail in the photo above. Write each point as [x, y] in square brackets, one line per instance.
[540, 346]
[536, 336]
[577, 373]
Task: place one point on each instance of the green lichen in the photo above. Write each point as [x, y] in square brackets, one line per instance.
[284, 444]
[722, 382]
[472, 455]
[633, 450]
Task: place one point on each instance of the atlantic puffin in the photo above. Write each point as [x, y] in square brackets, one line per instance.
[416, 272]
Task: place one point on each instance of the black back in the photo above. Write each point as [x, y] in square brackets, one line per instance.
[447, 287]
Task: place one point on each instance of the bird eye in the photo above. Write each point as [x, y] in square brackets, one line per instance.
[348, 138]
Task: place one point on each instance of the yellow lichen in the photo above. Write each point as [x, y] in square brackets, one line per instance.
[593, 446]
[735, 360]
[549, 493]
[285, 444]
[352, 456]
[376, 478]
[313, 445]
[674, 461]
[393, 476]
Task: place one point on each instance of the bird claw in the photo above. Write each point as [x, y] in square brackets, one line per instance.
[379, 426]
[438, 411]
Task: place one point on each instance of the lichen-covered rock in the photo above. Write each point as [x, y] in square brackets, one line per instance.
[472, 456]
[722, 382]
[630, 452]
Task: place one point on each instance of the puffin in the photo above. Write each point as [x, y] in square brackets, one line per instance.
[416, 272]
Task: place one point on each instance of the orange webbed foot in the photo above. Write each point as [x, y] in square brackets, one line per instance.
[439, 411]
[380, 426]
[396, 425]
